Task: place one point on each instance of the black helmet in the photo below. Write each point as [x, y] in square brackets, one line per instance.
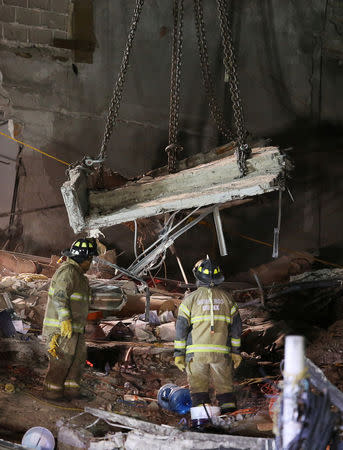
[208, 272]
[82, 249]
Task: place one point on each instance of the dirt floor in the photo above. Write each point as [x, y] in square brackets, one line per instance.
[142, 374]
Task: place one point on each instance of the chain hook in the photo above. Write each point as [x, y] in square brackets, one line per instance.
[90, 162]
[172, 150]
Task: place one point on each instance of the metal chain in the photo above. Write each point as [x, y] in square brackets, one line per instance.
[215, 110]
[243, 151]
[175, 80]
[119, 85]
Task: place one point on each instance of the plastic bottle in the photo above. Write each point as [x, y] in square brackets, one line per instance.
[163, 395]
[174, 398]
[39, 438]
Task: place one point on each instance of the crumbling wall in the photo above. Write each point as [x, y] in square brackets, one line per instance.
[34, 22]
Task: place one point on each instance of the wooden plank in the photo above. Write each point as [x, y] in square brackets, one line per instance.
[112, 344]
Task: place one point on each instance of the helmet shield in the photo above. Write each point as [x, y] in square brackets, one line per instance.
[82, 249]
[208, 272]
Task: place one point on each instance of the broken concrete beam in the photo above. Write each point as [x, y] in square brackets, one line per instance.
[190, 440]
[206, 157]
[212, 183]
[72, 437]
[145, 435]
[196, 159]
[74, 194]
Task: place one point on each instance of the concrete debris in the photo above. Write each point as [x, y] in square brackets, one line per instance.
[29, 352]
[166, 331]
[166, 316]
[323, 274]
[145, 435]
[143, 331]
[153, 318]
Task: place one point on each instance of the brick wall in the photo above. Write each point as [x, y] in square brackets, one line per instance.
[34, 22]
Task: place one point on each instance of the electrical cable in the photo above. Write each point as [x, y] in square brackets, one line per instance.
[317, 421]
[52, 404]
[35, 149]
[160, 238]
[157, 263]
[135, 239]
[286, 250]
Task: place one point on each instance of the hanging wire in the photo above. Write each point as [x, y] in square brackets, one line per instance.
[144, 252]
[135, 239]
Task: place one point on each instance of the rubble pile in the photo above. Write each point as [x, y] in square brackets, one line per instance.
[130, 359]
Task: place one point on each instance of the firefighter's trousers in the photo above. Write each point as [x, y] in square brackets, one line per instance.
[217, 368]
[64, 373]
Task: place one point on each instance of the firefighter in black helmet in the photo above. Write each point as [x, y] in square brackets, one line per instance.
[208, 337]
[65, 320]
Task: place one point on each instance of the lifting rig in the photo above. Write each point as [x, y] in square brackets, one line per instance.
[232, 172]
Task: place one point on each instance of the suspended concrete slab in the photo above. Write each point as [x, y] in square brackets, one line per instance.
[206, 184]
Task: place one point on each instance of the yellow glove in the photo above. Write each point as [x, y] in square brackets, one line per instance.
[180, 363]
[66, 329]
[236, 359]
[53, 344]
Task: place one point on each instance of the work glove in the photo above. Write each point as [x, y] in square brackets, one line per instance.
[180, 363]
[53, 344]
[66, 329]
[236, 359]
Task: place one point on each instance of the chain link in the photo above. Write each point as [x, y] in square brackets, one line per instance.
[215, 110]
[243, 151]
[119, 85]
[175, 81]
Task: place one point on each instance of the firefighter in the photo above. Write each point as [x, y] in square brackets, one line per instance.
[65, 320]
[208, 337]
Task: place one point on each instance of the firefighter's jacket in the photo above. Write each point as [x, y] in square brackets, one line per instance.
[69, 298]
[208, 324]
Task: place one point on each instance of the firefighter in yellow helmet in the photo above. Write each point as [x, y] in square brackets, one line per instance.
[65, 320]
[208, 337]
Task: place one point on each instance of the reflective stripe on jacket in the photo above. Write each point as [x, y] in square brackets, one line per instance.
[208, 323]
[69, 297]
